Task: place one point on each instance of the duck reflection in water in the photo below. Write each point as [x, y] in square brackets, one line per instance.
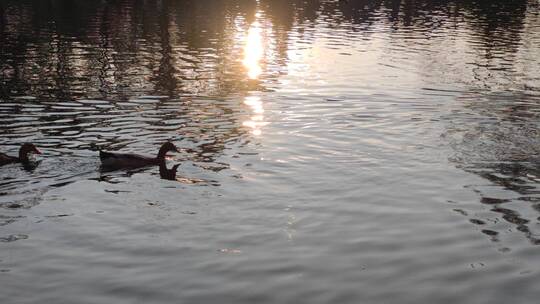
[169, 174]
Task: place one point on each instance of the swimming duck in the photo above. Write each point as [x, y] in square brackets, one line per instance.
[25, 149]
[110, 160]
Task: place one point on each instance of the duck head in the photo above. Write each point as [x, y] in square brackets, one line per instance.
[26, 149]
[166, 147]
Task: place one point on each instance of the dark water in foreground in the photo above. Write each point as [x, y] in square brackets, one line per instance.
[335, 152]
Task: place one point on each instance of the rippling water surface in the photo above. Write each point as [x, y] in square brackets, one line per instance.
[332, 151]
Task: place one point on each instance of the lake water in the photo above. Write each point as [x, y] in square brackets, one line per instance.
[332, 151]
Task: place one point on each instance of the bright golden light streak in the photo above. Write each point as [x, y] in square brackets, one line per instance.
[256, 121]
[254, 50]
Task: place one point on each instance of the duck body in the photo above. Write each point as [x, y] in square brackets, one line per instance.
[6, 159]
[114, 160]
[126, 160]
[25, 149]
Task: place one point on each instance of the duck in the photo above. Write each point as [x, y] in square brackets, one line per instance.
[113, 160]
[24, 151]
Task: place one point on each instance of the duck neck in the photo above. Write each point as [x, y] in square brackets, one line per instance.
[162, 153]
[23, 155]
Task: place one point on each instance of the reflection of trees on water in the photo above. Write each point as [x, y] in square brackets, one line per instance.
[113, 49]
[476, 43]
[156, 47]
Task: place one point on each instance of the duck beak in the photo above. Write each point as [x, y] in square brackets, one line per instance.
[37, 151]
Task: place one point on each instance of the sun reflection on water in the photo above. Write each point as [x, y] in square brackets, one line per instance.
[256, 121]
[254, 50]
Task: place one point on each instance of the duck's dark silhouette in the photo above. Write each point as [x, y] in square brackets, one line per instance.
[169, 174]
[113, 161]
[24, 151]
